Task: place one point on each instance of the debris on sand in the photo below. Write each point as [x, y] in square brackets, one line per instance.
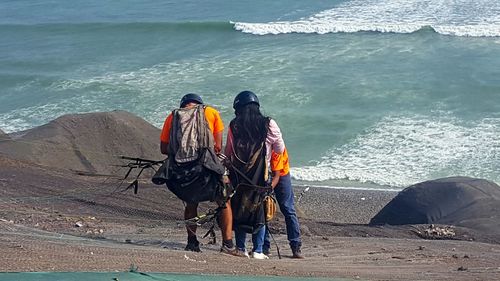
[437, 232]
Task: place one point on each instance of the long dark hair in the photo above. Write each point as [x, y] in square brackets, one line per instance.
[249, 125]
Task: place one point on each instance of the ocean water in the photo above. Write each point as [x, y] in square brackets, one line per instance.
[368, 93]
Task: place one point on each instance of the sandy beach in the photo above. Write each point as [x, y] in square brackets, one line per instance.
[58, 219]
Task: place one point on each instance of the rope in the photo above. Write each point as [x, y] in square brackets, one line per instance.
[272, 237]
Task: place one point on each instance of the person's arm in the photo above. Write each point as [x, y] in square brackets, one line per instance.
[228, 149]
[217, 128]
[276, 167]
[165, 134]
[229, 143]
[275, 137]
[218, 142]
[275, 179]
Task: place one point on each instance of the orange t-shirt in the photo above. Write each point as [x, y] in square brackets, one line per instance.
[213, 119]
[279, 162]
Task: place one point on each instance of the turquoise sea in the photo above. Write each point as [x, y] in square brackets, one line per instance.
[368, 93]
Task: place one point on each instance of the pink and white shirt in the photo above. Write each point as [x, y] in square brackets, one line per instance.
[274, 141]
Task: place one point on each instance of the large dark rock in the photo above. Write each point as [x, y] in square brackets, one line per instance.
[4, 136]
[87, 142]
[460, 201]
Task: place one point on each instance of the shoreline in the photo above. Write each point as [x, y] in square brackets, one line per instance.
[354, 206]
[361, 188]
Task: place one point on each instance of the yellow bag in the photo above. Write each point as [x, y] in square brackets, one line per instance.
[269, 207]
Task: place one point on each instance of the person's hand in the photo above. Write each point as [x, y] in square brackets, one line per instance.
[225, 161]
[275, 179]
[217, 149]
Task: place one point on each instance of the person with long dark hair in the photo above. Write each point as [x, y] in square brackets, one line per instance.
[250, 140]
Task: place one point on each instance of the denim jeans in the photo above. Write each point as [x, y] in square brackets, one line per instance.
[257, 239]
[285, 198]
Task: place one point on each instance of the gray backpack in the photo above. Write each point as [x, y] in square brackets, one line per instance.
[194, 173]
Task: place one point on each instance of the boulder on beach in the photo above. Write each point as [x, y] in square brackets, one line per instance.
[4, 136]
[460, 201]
[90, 142]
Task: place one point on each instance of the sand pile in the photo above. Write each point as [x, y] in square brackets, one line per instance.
[86, 142]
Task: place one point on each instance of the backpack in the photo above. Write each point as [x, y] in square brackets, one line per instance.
[249, 175]
[193, 171]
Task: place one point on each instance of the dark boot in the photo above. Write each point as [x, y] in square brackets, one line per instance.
[296, 253]
[266, 251]
[193, 244]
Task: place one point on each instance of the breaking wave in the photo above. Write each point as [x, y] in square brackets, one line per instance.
[400, 151]
[475, 18]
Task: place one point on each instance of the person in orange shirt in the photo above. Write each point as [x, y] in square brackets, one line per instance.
[285, 198]
[191, 209]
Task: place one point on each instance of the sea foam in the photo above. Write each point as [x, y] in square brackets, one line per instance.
[403, 150]
[477, 18]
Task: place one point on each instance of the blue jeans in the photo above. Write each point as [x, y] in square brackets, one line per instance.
[285, 198]
[257, 239]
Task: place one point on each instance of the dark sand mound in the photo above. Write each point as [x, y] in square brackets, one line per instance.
[4, 136]
[459, 201]
[86, 142]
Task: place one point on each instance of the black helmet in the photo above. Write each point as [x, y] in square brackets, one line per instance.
[245, 98]
[191, 98]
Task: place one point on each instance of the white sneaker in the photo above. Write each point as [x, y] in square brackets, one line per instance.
[259, 256]
[242, 253]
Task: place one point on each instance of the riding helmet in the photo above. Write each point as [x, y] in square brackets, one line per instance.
[190, 98]
[244, 98]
